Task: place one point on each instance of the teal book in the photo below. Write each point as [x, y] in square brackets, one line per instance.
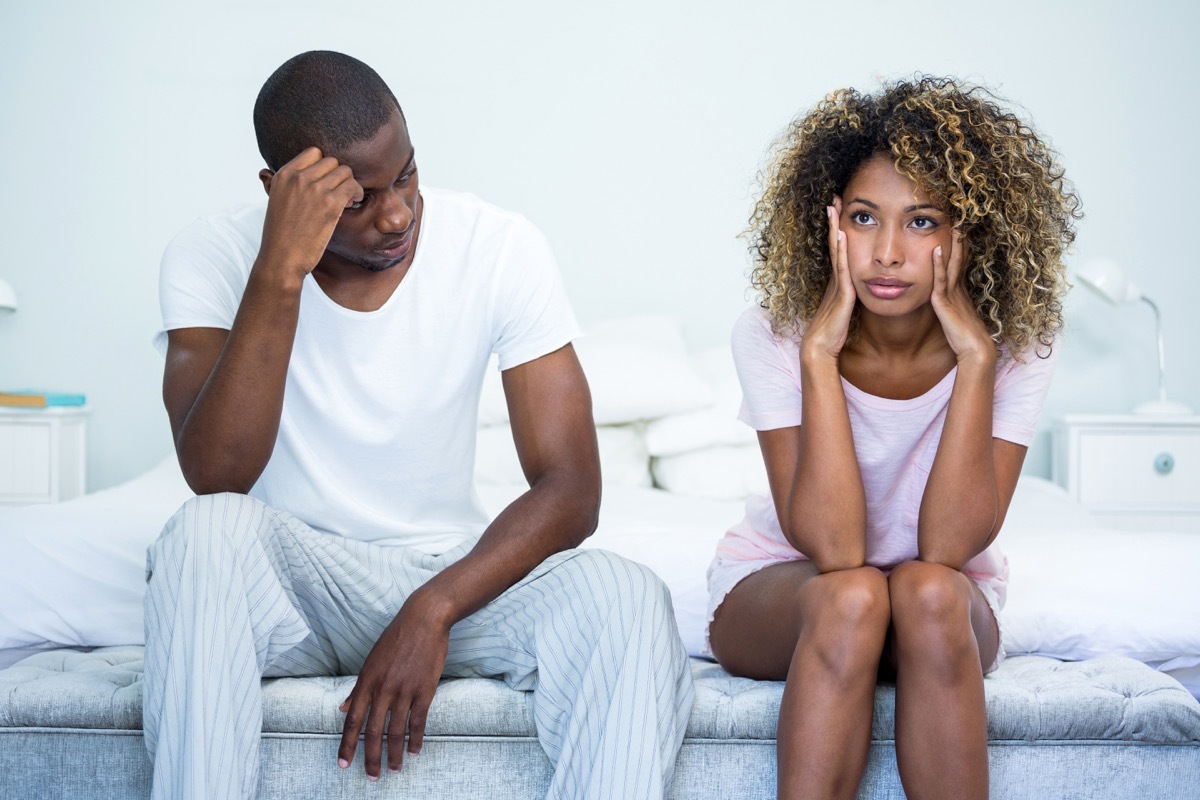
[31, 399]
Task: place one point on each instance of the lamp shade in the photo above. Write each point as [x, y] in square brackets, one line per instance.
[1107, 279]
[8, 297]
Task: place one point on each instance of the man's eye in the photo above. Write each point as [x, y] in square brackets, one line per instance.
[354, 205]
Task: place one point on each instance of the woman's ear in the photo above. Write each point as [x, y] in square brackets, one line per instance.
[266, 175]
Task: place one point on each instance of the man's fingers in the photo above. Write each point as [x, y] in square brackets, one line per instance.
[373, 739]
[350, 729]
[416, 724]
[349, 190]
[395, 736]
[304, 159]
[327, 174]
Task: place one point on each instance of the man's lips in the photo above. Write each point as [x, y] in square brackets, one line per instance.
[396, 248]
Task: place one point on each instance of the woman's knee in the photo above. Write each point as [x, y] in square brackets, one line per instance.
[855, 599]
[928, 599]
[844, 619]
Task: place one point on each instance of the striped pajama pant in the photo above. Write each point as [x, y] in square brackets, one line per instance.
[238, 591]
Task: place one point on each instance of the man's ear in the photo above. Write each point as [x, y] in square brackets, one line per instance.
[266, 176]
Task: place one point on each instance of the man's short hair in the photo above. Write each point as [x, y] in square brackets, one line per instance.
[323, 99]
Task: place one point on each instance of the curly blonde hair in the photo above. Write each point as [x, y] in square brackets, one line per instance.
[999, 182]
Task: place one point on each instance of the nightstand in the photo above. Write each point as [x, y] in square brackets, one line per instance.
[1133, 471]
[43, 454]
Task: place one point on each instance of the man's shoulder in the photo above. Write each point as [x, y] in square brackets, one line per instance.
[242, 220]
[238, 226]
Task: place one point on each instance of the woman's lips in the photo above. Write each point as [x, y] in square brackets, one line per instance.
[887, 288]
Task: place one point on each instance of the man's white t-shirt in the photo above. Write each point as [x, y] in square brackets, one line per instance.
[377, 436]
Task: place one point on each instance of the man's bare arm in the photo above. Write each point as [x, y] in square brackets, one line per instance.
[551, 414]
[223, 390]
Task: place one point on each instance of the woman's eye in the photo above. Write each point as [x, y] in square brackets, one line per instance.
[923, 223]
[861, 218]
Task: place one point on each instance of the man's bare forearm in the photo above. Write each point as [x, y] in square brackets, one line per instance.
[225, 437]
[556, 514]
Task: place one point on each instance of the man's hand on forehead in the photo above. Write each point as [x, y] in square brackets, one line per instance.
[307, 197]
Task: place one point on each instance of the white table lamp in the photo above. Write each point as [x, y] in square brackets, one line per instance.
[1107, 279]
[8, 297]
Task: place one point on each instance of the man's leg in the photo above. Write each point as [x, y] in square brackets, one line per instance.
[613, 687]
[236, 591]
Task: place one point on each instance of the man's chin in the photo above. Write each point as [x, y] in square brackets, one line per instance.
[377, 266]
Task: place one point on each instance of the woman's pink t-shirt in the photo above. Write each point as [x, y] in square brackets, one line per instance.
[895, 441]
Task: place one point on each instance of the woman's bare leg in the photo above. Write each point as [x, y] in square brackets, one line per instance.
[945, 635]
[824, 633]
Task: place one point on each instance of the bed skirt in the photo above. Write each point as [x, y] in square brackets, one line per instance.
[70, 726]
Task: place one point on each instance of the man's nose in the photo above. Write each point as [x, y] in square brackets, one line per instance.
[394, 214]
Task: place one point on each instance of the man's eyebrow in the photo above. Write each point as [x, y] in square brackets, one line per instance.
[412, 158]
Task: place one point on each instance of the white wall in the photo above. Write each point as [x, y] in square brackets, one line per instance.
[629, 131]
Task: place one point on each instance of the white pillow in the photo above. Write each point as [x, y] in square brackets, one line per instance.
[714, 425]
[674, 536]
[637, 369]
[623, 458]
[724, 473]
[1082, 593]
[1039, 504]
[1078, 589]
[73, 573]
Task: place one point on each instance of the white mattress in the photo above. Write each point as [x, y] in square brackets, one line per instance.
[73, 573]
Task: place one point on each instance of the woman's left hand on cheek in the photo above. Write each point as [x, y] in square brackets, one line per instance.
[965, 331]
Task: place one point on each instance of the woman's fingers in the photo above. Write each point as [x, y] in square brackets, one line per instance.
[954, 268]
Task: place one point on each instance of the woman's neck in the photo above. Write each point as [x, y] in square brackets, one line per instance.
[897, 357]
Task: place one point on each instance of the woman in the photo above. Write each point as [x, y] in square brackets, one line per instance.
[909, 263]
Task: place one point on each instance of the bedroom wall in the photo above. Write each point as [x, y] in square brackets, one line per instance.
[629, 131]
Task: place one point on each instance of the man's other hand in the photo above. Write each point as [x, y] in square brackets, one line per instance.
[395, 686]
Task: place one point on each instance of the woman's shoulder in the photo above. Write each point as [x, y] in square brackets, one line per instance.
[754, 325]
[1036, 359]
[757, 346]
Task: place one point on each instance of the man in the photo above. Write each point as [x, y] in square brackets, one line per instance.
[326, 360]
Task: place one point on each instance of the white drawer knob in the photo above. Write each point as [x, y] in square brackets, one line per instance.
[1164, 463]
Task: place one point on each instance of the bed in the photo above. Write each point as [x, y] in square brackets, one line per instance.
[1097, 698]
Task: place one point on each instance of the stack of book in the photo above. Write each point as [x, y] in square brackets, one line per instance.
[31, 399]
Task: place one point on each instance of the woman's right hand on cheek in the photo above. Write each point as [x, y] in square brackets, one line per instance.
[829, 328]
